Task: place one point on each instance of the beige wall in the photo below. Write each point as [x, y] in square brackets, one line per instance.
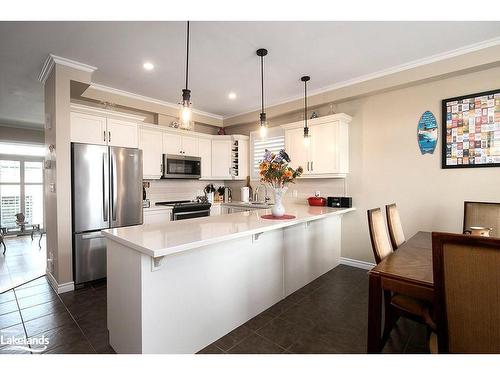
[173, 190]
[14, 134]
[386, 164]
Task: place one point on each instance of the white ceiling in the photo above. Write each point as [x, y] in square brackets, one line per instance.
[222, 57]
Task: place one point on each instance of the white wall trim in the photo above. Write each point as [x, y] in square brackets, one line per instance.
[385, 72]
[357, 263]
[60, 288]
[148, 99]
[53, 59]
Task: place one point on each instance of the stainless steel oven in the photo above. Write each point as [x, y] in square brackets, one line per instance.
[180, 166]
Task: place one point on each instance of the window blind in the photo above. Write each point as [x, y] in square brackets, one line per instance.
[274, 142]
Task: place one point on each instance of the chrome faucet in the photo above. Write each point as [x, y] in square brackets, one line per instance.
[256, 194]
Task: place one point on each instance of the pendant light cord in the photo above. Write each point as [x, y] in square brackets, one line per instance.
[262, 82]
[187, 55]
[305, 103]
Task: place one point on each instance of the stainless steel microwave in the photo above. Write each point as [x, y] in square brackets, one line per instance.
[181, 166]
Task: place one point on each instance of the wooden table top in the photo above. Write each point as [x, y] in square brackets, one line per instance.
[412, 261]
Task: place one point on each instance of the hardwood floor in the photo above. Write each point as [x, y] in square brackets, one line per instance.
[329, 315]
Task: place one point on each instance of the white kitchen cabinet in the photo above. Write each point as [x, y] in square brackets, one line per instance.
[172, 144]
[189, 146]
[122, 133]
[221, 159]
[205, 153]
[103, 127]
[240, 157]
[150, 142]
[327, 155]
[87, 128]
[176, 144]
[298, 152]
[156, 216]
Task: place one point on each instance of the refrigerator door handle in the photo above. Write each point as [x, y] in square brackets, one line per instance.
[113, 188]
[105, 185]
[92, 236]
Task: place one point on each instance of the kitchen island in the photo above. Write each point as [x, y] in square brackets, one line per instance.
[176, 287]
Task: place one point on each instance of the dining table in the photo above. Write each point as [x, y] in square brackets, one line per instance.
[408, 271]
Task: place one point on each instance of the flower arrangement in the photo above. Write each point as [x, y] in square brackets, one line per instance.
[275, 170]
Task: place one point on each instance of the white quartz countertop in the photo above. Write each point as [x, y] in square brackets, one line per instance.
[171, 237]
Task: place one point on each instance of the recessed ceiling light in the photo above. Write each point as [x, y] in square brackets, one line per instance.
[232, 95]
[148, 66]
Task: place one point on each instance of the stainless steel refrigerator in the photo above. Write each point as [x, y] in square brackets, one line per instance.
[106, 193]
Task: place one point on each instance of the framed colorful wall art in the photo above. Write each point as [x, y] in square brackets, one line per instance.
[471, 131]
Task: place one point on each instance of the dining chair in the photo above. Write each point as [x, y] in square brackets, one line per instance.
[482, 214]
[396, 233]
[396, 304]
[466, 273]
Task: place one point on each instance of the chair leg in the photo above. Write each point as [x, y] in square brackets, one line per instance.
[390, 316]
[4, 247]
[40, 240]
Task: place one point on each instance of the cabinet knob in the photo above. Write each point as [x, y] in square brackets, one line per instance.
[104, 135]
[109, 136]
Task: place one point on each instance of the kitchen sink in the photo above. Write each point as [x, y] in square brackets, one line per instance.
[249, 204]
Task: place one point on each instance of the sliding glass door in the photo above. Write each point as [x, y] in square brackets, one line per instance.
[21, 190]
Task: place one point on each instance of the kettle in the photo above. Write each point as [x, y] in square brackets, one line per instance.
[479, 231]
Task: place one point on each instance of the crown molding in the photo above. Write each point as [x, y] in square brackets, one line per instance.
[385, 72]
[105, 112]
[131, 95]
[51, 60]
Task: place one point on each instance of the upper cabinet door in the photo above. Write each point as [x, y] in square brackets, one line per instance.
[150, 142]
[189, 146]
[88, 129]
[221, 158]
[205, 153]
[325, 143]
[298, 152]
[122, 133]
[172, 144]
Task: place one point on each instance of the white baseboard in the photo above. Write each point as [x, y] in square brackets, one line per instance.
[60, 288]
[357, 263]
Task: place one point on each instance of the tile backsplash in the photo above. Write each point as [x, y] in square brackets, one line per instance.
[173, 190]
[305, 188]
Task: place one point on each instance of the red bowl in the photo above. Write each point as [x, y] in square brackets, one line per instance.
[316, 201]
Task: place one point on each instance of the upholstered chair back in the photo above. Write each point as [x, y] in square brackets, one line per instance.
[381, 244]
[394, 224]
[482, 214]
[467, 287]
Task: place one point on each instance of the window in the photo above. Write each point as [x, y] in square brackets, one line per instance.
[274, 142]
[21, 184]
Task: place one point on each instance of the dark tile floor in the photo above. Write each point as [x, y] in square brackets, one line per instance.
[73, 322]
[329, 315]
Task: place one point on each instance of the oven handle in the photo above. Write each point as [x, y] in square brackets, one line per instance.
[191, 212]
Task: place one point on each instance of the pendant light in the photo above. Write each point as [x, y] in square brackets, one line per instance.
[261, 52]
[185, 110]
[307, 138]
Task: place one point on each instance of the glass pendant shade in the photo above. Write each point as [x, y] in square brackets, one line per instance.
[263, 126]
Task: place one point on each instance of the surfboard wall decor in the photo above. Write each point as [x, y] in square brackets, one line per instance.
[427, 133]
